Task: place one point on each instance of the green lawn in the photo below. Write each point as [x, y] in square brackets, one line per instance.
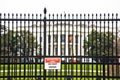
[38, 70]
[41, 66]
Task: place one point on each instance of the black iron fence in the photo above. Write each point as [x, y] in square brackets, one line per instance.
[87, 45]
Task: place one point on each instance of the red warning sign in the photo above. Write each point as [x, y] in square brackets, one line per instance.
[52, 63]
[51, 60]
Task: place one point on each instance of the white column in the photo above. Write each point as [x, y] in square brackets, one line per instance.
[59, 47]
[79, 36]
[47, 43]
[51, 45]
[74, 44]
[42, 44]
[82, 44]
[66, 42]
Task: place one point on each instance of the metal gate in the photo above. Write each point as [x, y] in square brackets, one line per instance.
[86, 44]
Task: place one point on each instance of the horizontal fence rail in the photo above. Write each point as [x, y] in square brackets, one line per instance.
[87, 45]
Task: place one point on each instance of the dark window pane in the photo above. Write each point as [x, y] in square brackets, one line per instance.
[71, 50]
[76, 38]
[63, 50]
[55, 50]
[40, 39]
[63, 38]
[55, 38]
[49, 50]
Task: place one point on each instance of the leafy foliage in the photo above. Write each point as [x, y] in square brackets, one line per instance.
[17, 43]
[99, 44]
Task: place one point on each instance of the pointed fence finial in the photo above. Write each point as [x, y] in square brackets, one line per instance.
[45, 10]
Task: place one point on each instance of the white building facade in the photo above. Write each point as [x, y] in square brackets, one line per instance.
[63, 40]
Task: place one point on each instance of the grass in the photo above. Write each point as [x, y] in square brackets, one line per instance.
[41, 66]
[38, 70]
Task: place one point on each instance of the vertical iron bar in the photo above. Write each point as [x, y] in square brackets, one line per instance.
[15, 52]
[73, 46]
[65, 56]
[53, 34]
[113, 46]
[104, 52]
[20, 37]
[86, 31]
[45, 11]
[36, 48]
[88, 43]
[61, 52]
[17, 46]
[4, 46]
[49, 44]
[81, 56]
[116, 55]
[25, 49]
[16, 55]
[109, 42]
[104, 67]
[100, 42]
[113, 23]
[69, 54]
[53, 54]
[32, 56]
[29, 52]
[49, 36]
[0, 42]
[40, 49]
[96, 47]
[76, 46]
[92, 41]
[12, 48]
[57, 33]
[84, 43]
[8, 49]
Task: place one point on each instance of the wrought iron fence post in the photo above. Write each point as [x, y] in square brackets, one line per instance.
[39, 78]
[103, 67]
[9, 78]
[68, 78]
[45, 11]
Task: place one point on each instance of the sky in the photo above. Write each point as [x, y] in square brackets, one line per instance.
[60, 6]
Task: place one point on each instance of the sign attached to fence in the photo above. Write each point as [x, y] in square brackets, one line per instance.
[52, 63]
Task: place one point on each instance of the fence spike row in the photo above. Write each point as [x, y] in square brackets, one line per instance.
[77, 46]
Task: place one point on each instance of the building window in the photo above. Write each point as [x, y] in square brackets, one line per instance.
[63, 38]
[71, 50]
[40, 39]
[70, 37]
[63, 51]
[40, 52]
[55, 50]
[55, 38]
[49, 50]
[76, 38]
